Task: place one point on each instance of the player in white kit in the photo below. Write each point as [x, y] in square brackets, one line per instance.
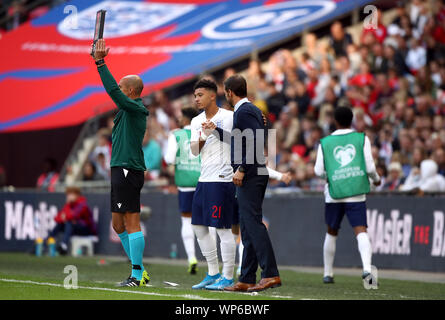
[215, 192]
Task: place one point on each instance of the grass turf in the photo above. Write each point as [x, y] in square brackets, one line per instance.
[43, 278]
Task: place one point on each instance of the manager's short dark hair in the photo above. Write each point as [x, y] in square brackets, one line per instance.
[206, 84]
[343, 115]
[237, 84]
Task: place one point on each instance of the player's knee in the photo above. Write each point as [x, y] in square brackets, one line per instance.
[118, 227]
[200, 231]
[226, 235]
[359, 229]
[332, 232]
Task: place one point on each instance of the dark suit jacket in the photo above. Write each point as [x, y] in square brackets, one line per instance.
[245, 150]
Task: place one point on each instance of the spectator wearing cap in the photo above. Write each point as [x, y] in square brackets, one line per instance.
[395, 177]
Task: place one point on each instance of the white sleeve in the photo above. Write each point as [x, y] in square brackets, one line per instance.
[229, 122]
[370, 165]
[273, 174]
[172, 148]
[319, 163]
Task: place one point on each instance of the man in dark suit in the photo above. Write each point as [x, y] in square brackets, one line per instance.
[251, 179]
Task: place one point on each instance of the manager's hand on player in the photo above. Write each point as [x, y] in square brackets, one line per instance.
[101, 50]
[238, 178]
[264, 119]
[286, 178]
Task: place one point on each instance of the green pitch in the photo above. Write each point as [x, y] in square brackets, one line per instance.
[23, 276]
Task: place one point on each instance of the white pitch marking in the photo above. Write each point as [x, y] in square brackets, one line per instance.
[186, 296]
[171, 284]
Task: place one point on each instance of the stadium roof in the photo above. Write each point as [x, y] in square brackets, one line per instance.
[48, 79]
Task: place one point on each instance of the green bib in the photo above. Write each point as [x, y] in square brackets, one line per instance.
[345, 165]
[187, 166]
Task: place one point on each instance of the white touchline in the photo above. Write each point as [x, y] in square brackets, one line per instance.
[186, 296]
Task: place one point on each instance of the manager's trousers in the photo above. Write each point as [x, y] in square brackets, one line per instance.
[257, 246]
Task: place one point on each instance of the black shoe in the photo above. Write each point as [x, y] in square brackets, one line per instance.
[129, 282]
[328, 279]
[193, 267]
[62, 248]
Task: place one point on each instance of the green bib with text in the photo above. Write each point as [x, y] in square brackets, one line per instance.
[187, 166]
[345, 165]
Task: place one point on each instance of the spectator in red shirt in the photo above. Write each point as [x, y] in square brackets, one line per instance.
[440, 15]
[379, 32]
[75, 218]
[48, 179]
[439, 32]
[364, 78]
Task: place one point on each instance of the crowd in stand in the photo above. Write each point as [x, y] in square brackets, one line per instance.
[392, 76]
[15, 12]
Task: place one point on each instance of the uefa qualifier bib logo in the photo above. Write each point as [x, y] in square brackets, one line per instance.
[344, 155]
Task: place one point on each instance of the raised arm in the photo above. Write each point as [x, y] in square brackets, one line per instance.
[111, 87]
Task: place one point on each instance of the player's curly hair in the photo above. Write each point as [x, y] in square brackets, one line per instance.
[206, 84]
[343, 116]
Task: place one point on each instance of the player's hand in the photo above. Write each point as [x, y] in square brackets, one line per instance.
[238, 178]
[264, 119]
[101, 50]
[208, 127]
[286, 178]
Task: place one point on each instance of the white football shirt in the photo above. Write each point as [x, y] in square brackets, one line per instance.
[215, 154]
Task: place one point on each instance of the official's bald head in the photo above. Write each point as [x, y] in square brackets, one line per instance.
[131, 86]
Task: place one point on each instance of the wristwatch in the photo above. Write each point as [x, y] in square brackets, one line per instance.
[241, 169]
[99, 62]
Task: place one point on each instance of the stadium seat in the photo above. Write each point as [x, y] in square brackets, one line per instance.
[77, 242]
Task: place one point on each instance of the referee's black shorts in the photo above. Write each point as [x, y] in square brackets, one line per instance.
[126, 185]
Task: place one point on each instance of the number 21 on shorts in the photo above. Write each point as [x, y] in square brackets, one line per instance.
[216, 212]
